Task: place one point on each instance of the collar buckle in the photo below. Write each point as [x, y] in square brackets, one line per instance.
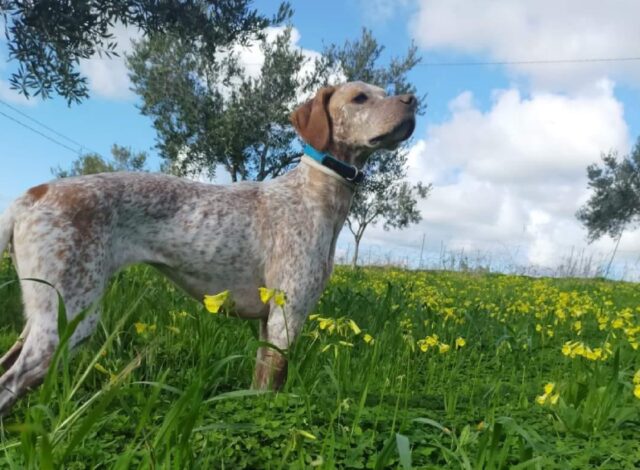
[349, 172]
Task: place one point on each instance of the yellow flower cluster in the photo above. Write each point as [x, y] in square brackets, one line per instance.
[636, 383]
[144, 328]
[433, 341]
[343, 327]
[278, 296]
[214, 303]
[575, 349]
[548, 397]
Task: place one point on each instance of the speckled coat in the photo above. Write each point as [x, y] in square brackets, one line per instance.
[76, 233]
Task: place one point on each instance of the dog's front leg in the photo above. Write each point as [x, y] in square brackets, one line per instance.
[271, 369]
[279, 329]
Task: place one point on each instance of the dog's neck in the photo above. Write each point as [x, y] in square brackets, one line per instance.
[326, 188]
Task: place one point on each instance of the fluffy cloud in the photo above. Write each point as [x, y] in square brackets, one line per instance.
[252, 57]
[108, 77]
[508, 180]
[512, 30]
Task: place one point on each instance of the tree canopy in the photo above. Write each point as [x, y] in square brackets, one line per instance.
[122, 159]
[49, 38]
[208, 111]
[615, 200]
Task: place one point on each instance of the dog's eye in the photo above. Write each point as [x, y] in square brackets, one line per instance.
[360, 98]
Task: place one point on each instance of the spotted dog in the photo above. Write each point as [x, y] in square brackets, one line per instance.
[75, 233]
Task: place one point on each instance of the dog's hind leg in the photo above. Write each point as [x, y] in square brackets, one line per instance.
[32, 362]
[30, 366]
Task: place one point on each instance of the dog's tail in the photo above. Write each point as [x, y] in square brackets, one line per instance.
[7, 220]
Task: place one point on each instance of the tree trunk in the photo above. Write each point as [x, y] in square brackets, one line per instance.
[355, 253]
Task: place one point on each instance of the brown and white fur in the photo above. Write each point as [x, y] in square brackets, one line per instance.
[76, 233]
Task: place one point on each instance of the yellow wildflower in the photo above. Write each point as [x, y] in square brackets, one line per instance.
[213, 303]
[280, 298]
[443, 348]
[326, 323]
[354, 327]
[636, 391]
[547, 395]
[266, 294]
[142, 328]
[460, 342]
[432, 340]
[367, 338]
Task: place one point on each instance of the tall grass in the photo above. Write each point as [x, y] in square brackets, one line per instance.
[164, 384]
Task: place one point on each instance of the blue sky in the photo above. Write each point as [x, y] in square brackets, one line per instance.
[505, 145]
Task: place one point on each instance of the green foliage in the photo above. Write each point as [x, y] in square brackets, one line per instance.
[615, 200]
[214, 113]
[123, 159]
[175, 395]
[49, 38]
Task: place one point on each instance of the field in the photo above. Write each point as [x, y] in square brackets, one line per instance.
[395, 369]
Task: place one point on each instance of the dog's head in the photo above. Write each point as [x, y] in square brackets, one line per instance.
[352, 120]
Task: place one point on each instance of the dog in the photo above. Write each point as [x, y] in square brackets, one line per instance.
[76, 233]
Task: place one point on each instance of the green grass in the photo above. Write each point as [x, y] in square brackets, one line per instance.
[176, 396]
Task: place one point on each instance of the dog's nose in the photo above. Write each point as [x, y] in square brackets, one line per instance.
[409, 100]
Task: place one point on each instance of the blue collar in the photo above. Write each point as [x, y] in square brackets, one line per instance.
[348, 172]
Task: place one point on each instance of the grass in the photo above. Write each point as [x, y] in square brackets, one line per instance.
[377, 379]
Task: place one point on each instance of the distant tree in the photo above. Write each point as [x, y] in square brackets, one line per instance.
[123, 159]
[49, 38]
[207, 111]
[385, 196]
[615, 200]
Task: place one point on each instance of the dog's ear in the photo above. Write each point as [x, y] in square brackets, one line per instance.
[312, 120]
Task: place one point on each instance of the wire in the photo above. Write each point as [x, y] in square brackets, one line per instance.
[50, 129]
[528, 62]
[75, 151]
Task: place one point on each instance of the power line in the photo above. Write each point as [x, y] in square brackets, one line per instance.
[529, 62]
[75, 151]
[514, 62]
[50, 129]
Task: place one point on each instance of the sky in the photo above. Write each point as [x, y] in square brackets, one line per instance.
[517, 109]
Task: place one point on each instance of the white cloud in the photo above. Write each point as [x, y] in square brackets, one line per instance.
[251, 57]
[511, 179]
[512, 30]
[108, 77]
